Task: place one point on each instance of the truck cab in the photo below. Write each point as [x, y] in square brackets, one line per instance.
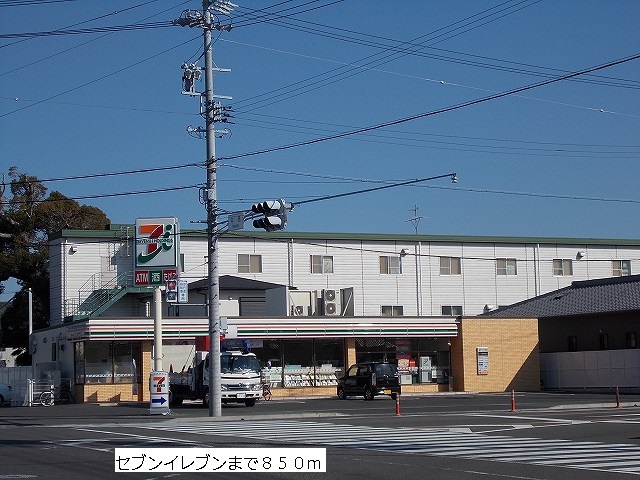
[240, 380]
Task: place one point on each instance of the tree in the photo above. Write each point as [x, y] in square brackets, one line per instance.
[27, 218]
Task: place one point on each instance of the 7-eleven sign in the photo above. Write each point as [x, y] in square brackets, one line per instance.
[157, 243]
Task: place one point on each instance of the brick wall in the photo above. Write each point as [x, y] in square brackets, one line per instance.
[513, 355]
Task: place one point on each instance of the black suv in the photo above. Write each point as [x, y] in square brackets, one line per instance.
[370, 379]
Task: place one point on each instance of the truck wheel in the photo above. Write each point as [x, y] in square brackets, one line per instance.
[250, 402]
[174, 401]
[205, 398]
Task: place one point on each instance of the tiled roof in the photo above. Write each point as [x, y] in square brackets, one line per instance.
[605, 295]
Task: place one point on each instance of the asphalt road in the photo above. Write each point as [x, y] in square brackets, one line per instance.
[458, 436]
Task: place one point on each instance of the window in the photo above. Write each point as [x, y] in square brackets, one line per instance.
[621, 268]
[392, 310]
[604, 341]
[451, 310]
[506, 266]
[249, 263]
[107, 362]
[631, 340]
[390, 266]
[562, 267]
[321, 264]
[450, 266]
[572, 343]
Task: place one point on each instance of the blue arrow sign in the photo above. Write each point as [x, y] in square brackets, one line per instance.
[160, 400]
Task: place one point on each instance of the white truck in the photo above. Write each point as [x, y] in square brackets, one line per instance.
[240, 380]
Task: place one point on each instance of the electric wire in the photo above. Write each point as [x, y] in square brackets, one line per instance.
[356, 67]
[437, 111]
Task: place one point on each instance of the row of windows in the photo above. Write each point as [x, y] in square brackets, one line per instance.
[392, 265]
[398, 310]
[631, 341]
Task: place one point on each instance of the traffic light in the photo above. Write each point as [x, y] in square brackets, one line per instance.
[171, 291]
[275, 215]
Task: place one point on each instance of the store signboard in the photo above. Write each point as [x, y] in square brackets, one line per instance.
[157, 243]
[157, 250]
[482, 354]
[159, 393]
[154, 277]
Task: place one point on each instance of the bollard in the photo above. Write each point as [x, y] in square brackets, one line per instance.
[513, 400]
[397, 404]
[617, 397]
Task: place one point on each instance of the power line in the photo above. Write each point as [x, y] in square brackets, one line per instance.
[109, 174]
[437, 111]
[82, 31]
[358, 66]
[29, 3]
[97, 79]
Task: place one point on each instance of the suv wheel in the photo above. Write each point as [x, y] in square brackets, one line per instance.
[368, 394]
[341, 393]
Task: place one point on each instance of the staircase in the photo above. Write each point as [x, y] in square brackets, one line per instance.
[95, 297]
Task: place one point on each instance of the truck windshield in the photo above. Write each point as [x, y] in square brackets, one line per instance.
[239, 363]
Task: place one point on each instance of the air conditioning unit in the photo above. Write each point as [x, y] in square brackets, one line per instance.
[300, 303]
[331, 302]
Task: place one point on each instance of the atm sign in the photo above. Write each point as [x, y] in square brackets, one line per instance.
[154, 277]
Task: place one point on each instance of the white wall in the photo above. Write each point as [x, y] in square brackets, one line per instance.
[356, 264]
[591, 369]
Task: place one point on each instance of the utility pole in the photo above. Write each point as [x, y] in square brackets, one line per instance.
[215, 394]
[193, 18]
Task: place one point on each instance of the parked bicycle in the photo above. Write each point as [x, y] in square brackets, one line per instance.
[46, 399]
[42, 393]
[65, 394]
[266, 391]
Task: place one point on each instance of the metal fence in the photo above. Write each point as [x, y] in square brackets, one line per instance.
[27, 392]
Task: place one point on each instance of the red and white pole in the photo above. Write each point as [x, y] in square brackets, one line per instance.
[397, 404]
[513, 400]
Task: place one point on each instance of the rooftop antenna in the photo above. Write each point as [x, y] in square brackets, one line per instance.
[415, 220]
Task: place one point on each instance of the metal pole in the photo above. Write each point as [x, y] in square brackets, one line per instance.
[157, 329]
[215, 394]
[29, 348]
[30, 312]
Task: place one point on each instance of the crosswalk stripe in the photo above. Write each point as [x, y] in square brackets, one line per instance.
[624, 458]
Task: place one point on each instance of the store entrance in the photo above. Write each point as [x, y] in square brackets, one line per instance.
[419, 360]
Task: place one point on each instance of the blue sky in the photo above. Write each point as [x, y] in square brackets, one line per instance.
[556, 160]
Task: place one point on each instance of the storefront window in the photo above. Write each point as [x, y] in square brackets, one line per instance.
[124, 355]
[107, 362]
[302, 363]
[375, 350]
[78, 361]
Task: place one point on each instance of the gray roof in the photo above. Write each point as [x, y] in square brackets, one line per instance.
[229, 282]
[604, 295]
